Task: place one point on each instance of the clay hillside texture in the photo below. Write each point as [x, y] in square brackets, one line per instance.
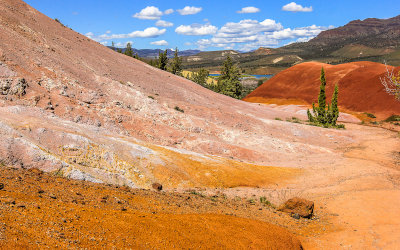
[73, 106]
[86, 133]
[360, 89]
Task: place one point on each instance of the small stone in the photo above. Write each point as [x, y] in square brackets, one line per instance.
[53, 196]
[157, 186]
[304, 208]
[40, 191]
[1, 186]
[123, 209]
[296, 216]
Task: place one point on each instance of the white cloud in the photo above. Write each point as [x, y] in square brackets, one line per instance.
[162, 23]
[160, 43]
[123, 45]
[147, 33]
[149, 13]
[251, 34]
[190, 10]
[104, 43]
[294, 7]
[248, 27]
[249, 9]
[169, 11]
[196, 29]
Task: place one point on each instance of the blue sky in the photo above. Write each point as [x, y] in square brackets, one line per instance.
[209, 25]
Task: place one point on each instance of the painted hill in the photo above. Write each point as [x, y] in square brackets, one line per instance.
[359, 86]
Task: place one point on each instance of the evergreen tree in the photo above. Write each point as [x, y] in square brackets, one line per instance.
[321, 110]
[229, 80]
[334, 106]
[128, 50]
[200, 77]
[162, 60]
[324, 114]
[176, 65]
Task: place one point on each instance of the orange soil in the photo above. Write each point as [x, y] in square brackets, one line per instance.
[360, 89]
[88, 215]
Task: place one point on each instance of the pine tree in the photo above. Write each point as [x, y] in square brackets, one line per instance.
[176, 65]
[321, 110]
[162, 60]
[334, 106]
[128, 50]
[200, 77]
[229, 81]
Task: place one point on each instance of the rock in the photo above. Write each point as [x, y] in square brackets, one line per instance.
[296, 216]
[304, 208]
[53, 196]
[157, 186]
[1, 186]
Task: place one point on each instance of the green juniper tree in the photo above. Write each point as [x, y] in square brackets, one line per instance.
[176, 64]
[229, 81]
[325, 114]
[200, 77]
[162, 60]
[128, 50]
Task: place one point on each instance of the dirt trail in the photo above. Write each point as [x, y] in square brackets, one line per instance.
[358, 195]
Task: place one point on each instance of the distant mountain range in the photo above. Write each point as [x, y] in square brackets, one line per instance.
[153, 53]
[372, 39]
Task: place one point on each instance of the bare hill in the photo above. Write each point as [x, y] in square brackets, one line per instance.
[360, 89]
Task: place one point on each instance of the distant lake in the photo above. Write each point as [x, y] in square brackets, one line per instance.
[247, 76]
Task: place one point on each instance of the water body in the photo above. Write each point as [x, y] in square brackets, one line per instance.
[249, 76]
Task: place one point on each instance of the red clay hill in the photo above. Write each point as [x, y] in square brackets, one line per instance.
[360, 89]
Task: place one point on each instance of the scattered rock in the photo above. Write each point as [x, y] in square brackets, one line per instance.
[157, 186]
[304, 208]
[1, 186]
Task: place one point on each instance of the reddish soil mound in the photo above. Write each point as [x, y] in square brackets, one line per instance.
[40, 210]
[360, 89]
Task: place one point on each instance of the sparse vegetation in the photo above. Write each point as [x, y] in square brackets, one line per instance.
[200, 77]
[179, 109]
[370, 115]
[151, 97]
[278, 119]
[393, 118]
[264, 201]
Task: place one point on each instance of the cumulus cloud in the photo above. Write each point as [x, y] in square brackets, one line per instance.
[149, 13]
[196, 29]
[190, 10]
[162, 23]
[294, 7]
[249, 9]
[160, 43]
[247, 27]
[251, 34]
[147, 33]
[169, 11]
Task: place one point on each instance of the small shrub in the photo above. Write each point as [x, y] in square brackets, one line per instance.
[151, 97]
[370, 115]
[263, 200]
[393, 118]
[375, 123]
[179, 109]
[252, 202]
[278, 119]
